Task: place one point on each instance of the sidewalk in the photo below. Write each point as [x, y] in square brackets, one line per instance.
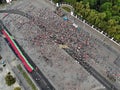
[8, 57]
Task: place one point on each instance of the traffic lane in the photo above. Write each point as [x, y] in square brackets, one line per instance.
[40, 78]
[40, 81]
[45, 79]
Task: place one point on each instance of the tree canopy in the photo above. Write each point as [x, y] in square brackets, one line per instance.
[10, 80]
[2, 1]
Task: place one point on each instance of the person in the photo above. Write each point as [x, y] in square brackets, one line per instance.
[36, 68]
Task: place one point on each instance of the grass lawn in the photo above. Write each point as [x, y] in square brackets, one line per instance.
[3, 5]
[27, 78]
[66, 8]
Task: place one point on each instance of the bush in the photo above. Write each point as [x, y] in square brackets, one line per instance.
[17, 88]
[10, 80]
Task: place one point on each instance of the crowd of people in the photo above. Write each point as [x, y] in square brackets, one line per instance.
[56, 30]
[53, 29]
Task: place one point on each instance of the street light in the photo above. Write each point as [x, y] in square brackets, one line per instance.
[51, 1]
[0, 57]
[92, 26]
[84, 24]
[81, 17]
[71, 13]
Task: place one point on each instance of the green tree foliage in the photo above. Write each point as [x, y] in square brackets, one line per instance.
[116, 10]
[17, 88]
[56, 1]
[113, 1]
[108, 15]
[10, 80]
[99, 22]
[117, 18]
[112, 22]
[79, 8]
[2, 1]
[107, 6]
[92, 16]
[78, 0]
[93, 3]
[70, 1]
[100, 2]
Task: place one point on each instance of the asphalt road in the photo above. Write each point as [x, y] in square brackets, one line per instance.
[15, 11]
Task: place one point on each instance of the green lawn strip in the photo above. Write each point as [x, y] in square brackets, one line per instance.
[3, 5]
[66, 8]
[27, 78]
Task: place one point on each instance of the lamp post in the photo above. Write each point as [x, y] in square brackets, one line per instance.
[71, 13]
[84, 24]
[0, 57]
[51, 1]
[8, 1]
[81, 17]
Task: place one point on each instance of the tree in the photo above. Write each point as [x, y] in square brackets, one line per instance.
[92, 16]
[72, 2]
[111, 30]
[106, 6]
[117, 33]
[102, 25]
[78, 0]
[102, 15]
[79, 8]
[92, 3]
[116, 10]
[108, 15]
[113, 1]
[10, 80]
[112, 22]
[2, 1]
[117, 18]
[99, 19]
[56, 1]
[17, 88]
[100, 2]
[87, 10]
